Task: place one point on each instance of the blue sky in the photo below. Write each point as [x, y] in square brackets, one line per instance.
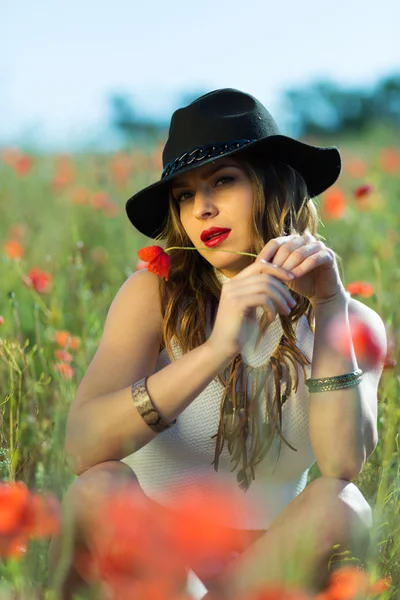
[59, 61]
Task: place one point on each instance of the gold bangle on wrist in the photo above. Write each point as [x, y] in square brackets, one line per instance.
[146, 408]
[327, 384]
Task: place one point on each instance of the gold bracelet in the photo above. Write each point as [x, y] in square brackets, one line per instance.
[338, 382]
[146, 408]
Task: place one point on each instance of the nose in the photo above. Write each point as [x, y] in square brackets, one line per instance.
[204, 206]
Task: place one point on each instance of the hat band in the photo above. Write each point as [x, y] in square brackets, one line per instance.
[202, 153]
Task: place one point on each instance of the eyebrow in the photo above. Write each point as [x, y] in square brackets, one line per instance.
[209, 172]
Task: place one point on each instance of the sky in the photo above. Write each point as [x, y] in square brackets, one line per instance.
[60, 61]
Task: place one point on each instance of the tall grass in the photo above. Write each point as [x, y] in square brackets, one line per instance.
[65, 216]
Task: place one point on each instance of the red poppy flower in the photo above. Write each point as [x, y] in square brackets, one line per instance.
[360, 288]
[24, 516]
[159, 261]
[63, 356]
[22, 165]
[132, 547]
[347, 583]
[65, 370]
[199, 534]
[13, 249]
[366, 346]
[66, 340]
[363, 190]
[134, 529]
[334, 203]
[39, 280]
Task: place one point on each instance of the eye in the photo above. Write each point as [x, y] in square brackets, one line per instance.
[181, 197]
[227, 178]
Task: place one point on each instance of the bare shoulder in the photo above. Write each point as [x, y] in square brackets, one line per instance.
[141, 288]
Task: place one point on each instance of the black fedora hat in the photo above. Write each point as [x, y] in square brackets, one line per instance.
[220, 124]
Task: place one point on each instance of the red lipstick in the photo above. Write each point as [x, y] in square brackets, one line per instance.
[214, 236]
[211, 234]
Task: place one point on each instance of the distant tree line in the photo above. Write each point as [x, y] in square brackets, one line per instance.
[319, 109]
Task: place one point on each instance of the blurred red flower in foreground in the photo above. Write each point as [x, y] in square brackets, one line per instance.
[360, 288]
[25, 515]
[349, 582]
[198, 535]
[40, 280]
[159, 261]
[365, 343]
[131, 548]
[142, 550]
[334, 203]
[155, 545]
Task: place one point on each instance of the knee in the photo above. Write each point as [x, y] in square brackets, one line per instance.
[87, 491]
[348, 515]
[332, 493]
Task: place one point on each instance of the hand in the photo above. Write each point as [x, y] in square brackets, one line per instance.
[315, 266]
[259, 284]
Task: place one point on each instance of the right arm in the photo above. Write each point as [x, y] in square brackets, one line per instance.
[103, 423]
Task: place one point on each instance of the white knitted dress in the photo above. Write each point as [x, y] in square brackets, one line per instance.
[182, 453]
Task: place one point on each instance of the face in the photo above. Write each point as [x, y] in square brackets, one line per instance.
[218, 194]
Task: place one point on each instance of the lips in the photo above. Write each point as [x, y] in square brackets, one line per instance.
[208, 233]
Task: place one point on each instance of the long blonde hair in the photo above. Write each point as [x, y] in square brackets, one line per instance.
[192, 283]
[281, 206]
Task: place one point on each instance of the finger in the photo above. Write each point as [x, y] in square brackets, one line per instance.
[256, 300]
[286, 250]
[265, 267]
[278, 300]
[298, 255]
[323, 257]
[273, 246]
[262, 282]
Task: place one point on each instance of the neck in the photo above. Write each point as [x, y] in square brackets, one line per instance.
[222, 276]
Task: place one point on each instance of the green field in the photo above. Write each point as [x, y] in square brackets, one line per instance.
[64, 216]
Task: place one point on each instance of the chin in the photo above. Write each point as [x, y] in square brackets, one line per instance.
[229, 262]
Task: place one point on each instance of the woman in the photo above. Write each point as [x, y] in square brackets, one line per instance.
[209, 372]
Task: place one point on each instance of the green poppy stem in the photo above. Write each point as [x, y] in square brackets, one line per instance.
[191, 248]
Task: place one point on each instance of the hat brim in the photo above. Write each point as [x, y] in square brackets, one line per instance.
[320, 167]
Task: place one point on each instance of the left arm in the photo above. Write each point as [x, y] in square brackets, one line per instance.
[343, 423]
